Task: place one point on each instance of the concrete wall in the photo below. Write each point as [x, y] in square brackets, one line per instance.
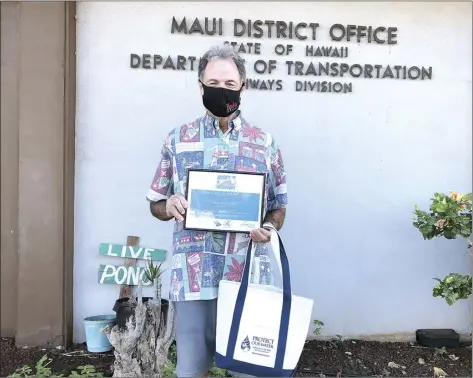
[9, 168]
[357, 163]
[37, 174]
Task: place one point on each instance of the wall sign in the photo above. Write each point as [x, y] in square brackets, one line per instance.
[126, 251]
[122, 274]
[316, 76]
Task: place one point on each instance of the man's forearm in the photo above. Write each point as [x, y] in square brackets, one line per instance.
[276, 218]
[158, 209]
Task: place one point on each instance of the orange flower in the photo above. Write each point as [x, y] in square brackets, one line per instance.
[456, 196]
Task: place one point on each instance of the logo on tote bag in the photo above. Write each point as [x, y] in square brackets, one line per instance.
[245, 344]
[261, 346]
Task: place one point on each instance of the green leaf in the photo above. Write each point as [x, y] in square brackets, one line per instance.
[453, 288]
[468, 197]
[153, 272]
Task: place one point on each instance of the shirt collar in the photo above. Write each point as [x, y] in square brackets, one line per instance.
[235, 124]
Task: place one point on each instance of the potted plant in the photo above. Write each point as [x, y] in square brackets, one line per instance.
[153, 273]
[125, 307]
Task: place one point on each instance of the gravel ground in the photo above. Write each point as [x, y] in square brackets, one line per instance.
[370, 358]
[63, 361]
[319, 358]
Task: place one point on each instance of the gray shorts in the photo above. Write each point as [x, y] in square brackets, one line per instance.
[195, 336]
[196, 323]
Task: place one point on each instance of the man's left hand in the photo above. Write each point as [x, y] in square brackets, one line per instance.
[260, 235]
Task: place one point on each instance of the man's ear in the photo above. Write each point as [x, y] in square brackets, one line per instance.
[243, 87]
[201, 88]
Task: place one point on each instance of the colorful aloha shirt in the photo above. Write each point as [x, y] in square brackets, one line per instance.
[201, 259]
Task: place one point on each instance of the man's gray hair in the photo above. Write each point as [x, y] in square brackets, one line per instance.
[222, 52]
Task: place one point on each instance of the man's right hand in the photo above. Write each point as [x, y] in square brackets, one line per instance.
[176, 206]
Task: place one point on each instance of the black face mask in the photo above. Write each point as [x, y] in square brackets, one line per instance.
[221, 102]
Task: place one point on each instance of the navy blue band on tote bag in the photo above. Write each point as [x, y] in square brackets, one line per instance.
[284, 324]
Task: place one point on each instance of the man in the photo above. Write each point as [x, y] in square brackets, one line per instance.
[221, 139]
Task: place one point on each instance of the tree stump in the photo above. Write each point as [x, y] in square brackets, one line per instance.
[142, 347]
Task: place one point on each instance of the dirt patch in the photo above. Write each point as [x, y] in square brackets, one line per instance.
[369, 358]
[63, 361]
[330, 358]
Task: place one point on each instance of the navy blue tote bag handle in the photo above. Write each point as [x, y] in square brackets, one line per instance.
[285, 313]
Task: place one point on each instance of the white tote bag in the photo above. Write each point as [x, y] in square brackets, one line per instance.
[261, 329]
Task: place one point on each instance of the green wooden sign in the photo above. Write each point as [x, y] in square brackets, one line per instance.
[122, 275]
[126, 251]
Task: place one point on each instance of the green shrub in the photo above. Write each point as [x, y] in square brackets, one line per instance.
[449, 217]
[42, 370]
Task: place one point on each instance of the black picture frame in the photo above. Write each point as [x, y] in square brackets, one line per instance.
[223, 228]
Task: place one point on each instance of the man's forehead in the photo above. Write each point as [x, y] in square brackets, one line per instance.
[221, 69]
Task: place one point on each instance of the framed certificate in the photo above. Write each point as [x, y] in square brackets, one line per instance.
[224, 200]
